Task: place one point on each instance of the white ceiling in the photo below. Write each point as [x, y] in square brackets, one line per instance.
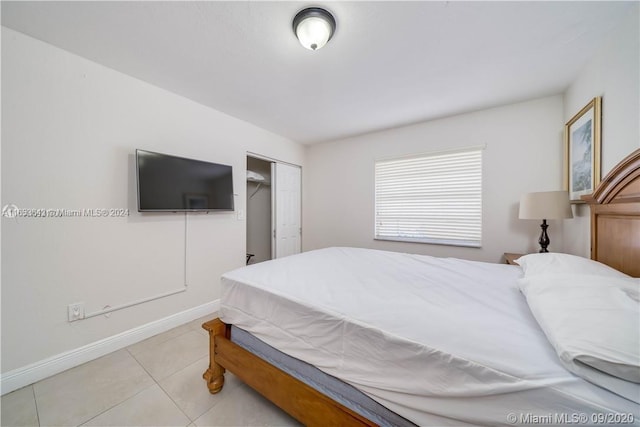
[388, 64]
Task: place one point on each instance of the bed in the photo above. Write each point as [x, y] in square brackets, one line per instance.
[464, 348]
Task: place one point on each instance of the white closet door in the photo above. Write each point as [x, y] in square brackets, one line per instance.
[287, 206]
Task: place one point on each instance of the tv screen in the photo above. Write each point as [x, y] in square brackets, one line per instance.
[172, 184]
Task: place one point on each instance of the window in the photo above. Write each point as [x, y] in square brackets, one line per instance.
[430, 198]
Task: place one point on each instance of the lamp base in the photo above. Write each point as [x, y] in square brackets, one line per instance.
[544, 238]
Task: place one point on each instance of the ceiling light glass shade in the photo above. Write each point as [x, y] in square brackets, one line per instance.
[314, 27]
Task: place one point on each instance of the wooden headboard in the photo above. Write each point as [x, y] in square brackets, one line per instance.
[615, 217]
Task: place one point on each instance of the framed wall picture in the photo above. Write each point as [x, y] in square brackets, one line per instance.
[582, 136]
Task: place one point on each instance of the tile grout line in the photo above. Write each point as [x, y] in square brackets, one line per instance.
[161, 388]
[130, 397]
[119, 403]
[35, 402]
[174, 373]
[161, 342]
[167, 375]
[144, 389]
[156, 382]
[191, 421]
[188, 417]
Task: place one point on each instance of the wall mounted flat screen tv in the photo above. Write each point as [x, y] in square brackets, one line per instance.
[175, 184]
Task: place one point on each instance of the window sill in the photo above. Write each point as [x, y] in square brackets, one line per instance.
[445, 242]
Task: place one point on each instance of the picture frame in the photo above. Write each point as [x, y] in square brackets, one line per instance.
[582, 145]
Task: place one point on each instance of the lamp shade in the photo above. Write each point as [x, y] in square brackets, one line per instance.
[545, 205]
[314, 27]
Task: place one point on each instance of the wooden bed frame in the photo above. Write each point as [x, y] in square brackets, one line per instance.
[299, 400]
[615, 240]
[615, 217]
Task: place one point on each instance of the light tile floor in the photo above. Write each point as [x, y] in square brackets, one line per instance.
[156, 382]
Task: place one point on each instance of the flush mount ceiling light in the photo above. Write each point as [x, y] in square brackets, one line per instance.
[314, 27]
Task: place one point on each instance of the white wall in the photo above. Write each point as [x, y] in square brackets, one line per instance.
[70, 128]
[523, 154]
[614, 74]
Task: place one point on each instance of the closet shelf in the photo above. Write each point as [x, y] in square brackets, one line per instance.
[258, 181]
[256, 177]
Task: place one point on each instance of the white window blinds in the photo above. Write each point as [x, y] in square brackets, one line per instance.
[431, 198]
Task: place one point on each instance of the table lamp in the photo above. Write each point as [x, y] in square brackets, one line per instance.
[545, 205]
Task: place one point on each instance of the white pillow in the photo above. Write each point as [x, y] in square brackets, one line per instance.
[556, 263]
[593, 322]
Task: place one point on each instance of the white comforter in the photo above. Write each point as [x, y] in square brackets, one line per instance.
[435, 340]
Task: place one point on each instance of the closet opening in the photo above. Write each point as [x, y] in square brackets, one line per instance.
[259, 210]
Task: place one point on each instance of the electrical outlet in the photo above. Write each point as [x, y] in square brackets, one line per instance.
[75, 311]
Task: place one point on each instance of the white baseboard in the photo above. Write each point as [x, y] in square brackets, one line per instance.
[37, 371]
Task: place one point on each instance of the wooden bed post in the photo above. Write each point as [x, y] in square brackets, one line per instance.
[214, 376]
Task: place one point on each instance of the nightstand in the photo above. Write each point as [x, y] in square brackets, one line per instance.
[510, 258]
